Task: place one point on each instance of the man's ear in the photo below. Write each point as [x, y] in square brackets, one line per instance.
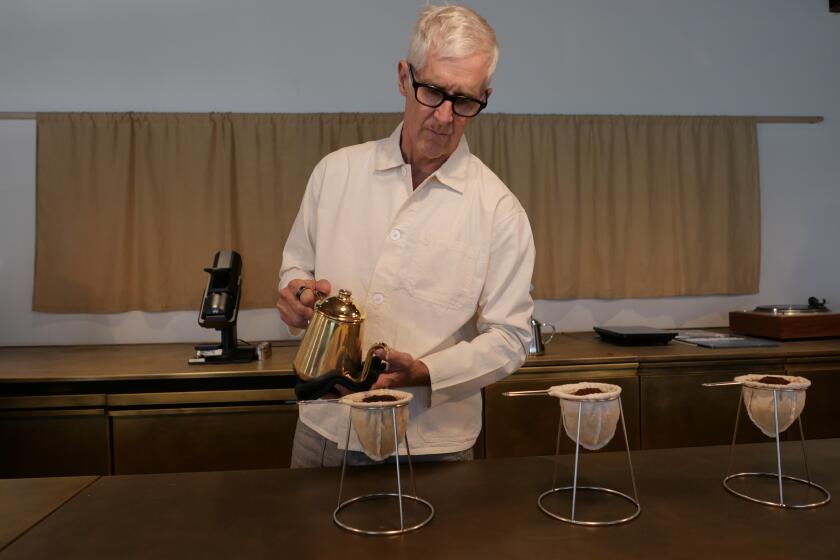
[402, 77]
[487, 93]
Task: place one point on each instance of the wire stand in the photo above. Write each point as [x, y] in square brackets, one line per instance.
[574, 487]
[399, 495]
[778, 474]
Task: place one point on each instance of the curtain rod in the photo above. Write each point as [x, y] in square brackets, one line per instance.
[812, 119]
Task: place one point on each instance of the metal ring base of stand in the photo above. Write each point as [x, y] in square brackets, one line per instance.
[550, 513]
[366, 497]
[399, 494]
[775, 476]
[778, 475]
[575, 487]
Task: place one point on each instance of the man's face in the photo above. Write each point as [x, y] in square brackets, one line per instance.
[433, 133]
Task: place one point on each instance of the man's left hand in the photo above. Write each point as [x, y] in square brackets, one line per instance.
[402, 371]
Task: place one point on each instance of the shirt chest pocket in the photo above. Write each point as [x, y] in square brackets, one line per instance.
[444, 272]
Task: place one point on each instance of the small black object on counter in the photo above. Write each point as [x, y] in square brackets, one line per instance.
[635, 336]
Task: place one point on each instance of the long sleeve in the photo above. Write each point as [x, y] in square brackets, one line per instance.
[299, 251]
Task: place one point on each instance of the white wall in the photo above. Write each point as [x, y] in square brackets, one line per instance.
[737, 57]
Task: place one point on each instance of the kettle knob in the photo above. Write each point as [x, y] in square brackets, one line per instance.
[340, 308]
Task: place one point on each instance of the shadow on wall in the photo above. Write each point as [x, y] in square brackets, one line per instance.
[137, 327]
[118, 328]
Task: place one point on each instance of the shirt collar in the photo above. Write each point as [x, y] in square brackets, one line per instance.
[452, 173]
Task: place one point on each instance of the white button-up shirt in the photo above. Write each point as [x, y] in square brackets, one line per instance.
[442, 272]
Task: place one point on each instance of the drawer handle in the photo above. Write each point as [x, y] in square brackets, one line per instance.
[537, 393]
[722, 383]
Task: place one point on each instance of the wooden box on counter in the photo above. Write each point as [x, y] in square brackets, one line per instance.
[785, 327]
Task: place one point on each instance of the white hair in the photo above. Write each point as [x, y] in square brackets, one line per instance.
[453, 32]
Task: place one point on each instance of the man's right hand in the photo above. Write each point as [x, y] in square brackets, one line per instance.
[297, 311]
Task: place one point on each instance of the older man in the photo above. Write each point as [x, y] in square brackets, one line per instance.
[432, 245]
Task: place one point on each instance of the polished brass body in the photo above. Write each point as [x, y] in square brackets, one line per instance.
[333, 341]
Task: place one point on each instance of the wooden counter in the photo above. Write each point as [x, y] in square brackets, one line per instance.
[131, 409]
[587, 348]
[141, 408]
[484, 509]
[126, 362]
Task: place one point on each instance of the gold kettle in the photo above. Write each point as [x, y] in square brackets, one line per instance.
[333, 341]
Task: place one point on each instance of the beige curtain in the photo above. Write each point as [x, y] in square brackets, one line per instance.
[131, 207]
[633, 206]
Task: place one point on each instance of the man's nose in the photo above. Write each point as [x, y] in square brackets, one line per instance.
[444, 112]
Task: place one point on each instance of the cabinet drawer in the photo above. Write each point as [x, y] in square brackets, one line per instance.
[202, 438]
[678, 411]
[820, 418]
[54, 443]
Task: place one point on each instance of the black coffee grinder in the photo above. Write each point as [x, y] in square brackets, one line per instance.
[219, 310]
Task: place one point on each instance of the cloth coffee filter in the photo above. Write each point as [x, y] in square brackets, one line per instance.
[373, 421]
[598, 417]
[758, 400]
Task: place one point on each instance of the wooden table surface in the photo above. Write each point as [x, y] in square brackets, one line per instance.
[484, 509]
[26, 501]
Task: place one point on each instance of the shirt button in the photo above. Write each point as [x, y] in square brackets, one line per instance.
[395, 234]
[403, 171]
[378, 298]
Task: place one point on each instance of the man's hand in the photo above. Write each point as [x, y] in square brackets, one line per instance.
[402, 371]
[296, 302]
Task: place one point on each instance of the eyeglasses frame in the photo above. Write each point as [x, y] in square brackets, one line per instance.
[446, 95]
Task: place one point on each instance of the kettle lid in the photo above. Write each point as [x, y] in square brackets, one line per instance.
[341, 308]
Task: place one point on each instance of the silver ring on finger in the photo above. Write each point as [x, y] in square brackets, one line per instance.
[299, 292]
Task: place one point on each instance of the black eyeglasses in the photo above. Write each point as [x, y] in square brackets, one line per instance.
[433, 96]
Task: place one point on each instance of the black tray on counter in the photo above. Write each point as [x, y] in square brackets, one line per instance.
[635, 336]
